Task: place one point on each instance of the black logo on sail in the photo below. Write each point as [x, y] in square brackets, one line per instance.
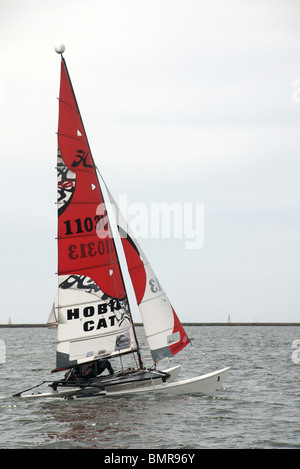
[122, 342]
[82, 157]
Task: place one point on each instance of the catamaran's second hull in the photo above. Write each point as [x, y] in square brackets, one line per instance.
[201, 384]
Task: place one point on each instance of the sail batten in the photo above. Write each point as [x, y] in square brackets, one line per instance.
[81, 339]
[87, 268]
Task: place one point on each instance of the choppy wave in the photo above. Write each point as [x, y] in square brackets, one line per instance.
[258, 406]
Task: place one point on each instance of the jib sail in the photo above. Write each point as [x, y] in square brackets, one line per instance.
[164, 331]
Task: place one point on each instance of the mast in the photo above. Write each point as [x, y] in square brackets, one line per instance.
[94, 317]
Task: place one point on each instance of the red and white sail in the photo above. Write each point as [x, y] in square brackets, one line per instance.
[165, 333]
[94, 320]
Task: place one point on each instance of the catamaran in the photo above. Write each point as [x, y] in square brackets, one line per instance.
[93, 314]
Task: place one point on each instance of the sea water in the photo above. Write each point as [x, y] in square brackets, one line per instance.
[257, 407]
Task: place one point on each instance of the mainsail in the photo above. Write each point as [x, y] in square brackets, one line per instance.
[94, 318]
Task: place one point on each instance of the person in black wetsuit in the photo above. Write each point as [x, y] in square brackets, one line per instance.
[91, 370]
[88, 371]
[102, 365]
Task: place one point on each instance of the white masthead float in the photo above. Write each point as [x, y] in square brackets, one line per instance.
[94, 321]
[60, 49]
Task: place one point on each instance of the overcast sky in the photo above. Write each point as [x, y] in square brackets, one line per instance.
[184, 101]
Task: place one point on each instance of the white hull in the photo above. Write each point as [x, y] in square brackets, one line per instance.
[201, 384]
